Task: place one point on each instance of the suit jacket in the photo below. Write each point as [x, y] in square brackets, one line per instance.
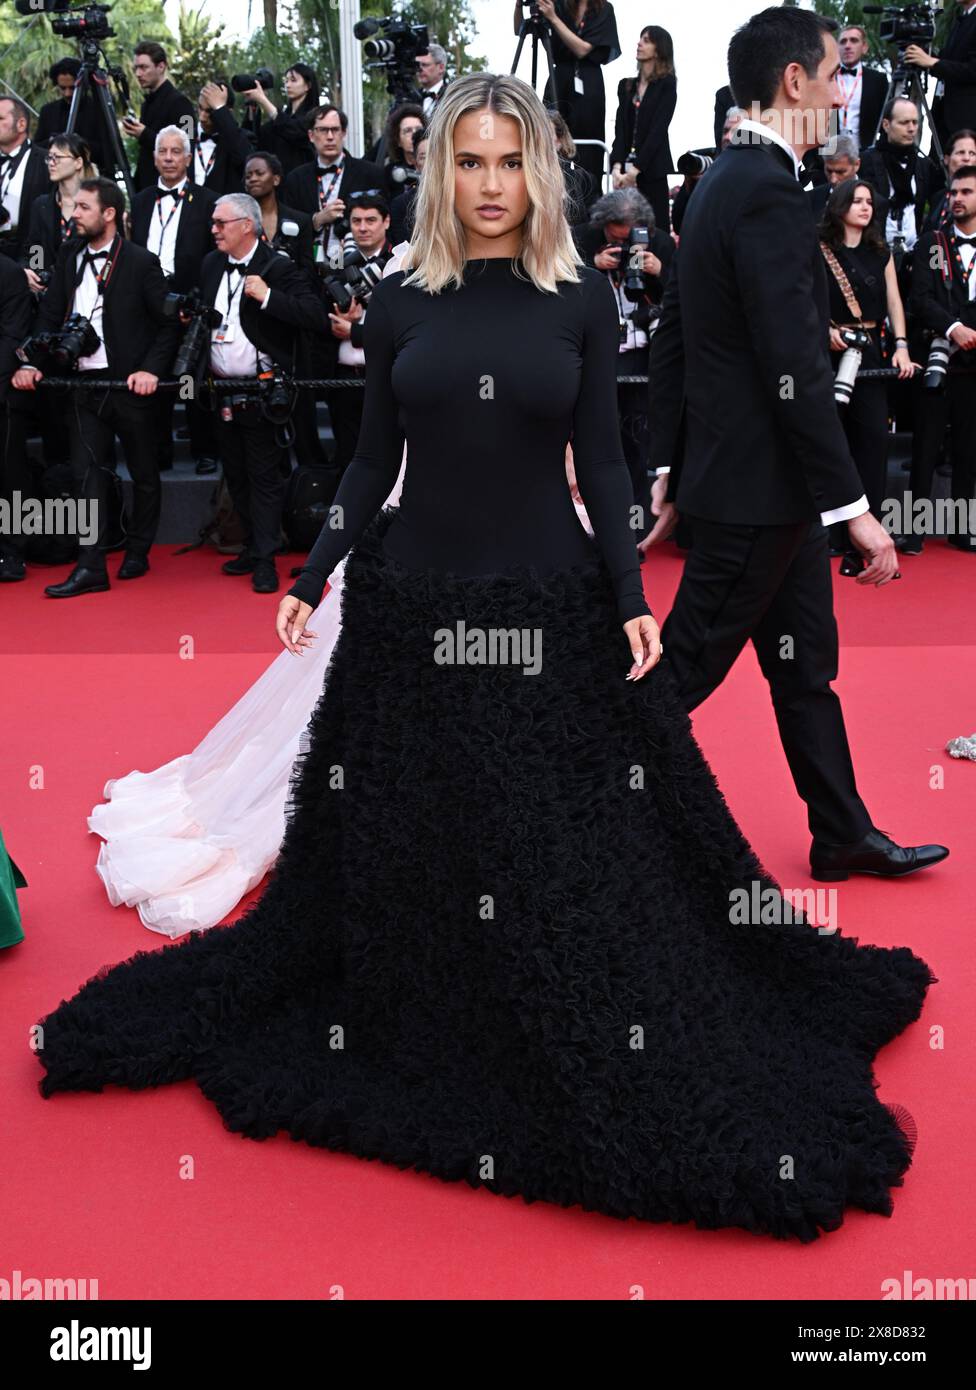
[740, 384]
[651, 130]
[193, 238]
[926, 184]
[53, 118]
[293, 304]
[301, 247]
[16, 312]
[164, 106]
[44, 234]
[232, 149]
[874, 89]
[938, 301]
[36, 183]
[301, 187]
[138, 336]
[956, 109]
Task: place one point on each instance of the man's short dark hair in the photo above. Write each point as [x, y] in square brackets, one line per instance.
[418, 137]
[889, 110]
[326, 110]
[967, 174]
[64, 67]
[764, 47]
[274, 164]
[155, 51]
[368, 200]
[19, 107]
[110, 195]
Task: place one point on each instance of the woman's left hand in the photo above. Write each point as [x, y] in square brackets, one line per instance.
[906, 367]
[644, 637]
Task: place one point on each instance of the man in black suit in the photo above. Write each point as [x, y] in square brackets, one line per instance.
[862, 89]
[220, 148]
[172, 221]
[264, 301]
[16, 312]
[904, 178]
[944, 306]
[119, 288]
[52, 119]
[323, 186]
[432, 80]
[23, 176]
[163, 105]
[765, 465]
[954, 106]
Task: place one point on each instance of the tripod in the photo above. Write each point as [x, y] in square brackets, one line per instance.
[93, 78]
[533, 24]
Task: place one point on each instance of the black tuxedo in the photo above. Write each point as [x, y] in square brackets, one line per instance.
[956, 109]
[758, 450]
[301, 247]
[293, 304]
[36, 182]
[939, 300]
[874, 89]
[301, 187]
[164, 106]
[232, 149]
[193, 237]
[16, 312]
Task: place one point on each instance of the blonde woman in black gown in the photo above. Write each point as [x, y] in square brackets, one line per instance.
[497, 943]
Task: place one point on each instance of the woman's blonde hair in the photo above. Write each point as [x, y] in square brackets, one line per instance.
[436, 254]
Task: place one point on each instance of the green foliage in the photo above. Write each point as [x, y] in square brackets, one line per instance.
[198, 55]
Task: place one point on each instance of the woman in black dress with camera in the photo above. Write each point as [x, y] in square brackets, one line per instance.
[855, 251]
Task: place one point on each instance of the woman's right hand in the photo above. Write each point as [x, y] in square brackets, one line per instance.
[293, 614]
[837, 343]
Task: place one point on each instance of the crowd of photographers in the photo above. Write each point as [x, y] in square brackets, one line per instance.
[245, 260]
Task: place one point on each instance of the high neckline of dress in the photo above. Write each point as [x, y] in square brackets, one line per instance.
[493, 260]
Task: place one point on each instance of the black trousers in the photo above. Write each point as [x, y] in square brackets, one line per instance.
[256, 467]
[865, 421]
[346, 413]
[98, 418]
[771, 585]
[954, 406]
[632, 406]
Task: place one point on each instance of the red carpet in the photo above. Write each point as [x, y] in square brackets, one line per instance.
[147, 1193]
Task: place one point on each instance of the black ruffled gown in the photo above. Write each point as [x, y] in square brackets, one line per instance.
[497, 944]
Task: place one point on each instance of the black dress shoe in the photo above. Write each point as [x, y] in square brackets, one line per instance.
[11, 569]
[910, 545]
[132, 567]
[967, 544]
[265, 578]
[851, 565]
[877, 854]
[241, 564]
[79, 581]
[206, 466]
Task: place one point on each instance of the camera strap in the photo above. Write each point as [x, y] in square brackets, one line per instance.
[845, 285]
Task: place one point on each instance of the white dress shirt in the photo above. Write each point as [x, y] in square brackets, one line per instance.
[430, 99]
[89, 303]
[966, 254]
[851, 89]
[164, 225]
[11, 188]
[202, 156]
[329, 184]
[850, 509]
[235, 355]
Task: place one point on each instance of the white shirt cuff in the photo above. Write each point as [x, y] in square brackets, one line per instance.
[852, 509]
[957, 324]
[264, 301]
[660, 472]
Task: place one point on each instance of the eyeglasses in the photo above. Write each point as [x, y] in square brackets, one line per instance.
[57, 158]
[226, 221]
[364, 192]
[327, 129]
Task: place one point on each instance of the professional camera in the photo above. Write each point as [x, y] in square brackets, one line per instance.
[60, 348]
[858, 340]
[247, 81]
[937, 363]
[85, 22]
[200, 319]
[905, 24]
[633, 285]
[357, 278]
[694, 163]
[400, 173]
[396, 52]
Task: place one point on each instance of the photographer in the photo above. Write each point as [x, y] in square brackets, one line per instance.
[432, 81]
[623, 242]
[369, 222]
[399, 167]
[172, 221]
[285, 132]
[899, 172]
[23, 176]
[285, 229]
[322, 186]
[944, 310]
[262, 301]
[220, 147]
[954, 106]
[118, 290]
[163, 105]
[641, 154]
[402, 207]
[68, 163]
[862, 89]
[16, 311]
[584, 37]
[53, 116]
[695, 163]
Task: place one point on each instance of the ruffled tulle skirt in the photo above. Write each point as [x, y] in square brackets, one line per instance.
[497, 944]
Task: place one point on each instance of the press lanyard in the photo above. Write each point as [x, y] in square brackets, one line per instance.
[323, 194]
[172, 213]
[232, 295]
[205, 172]
[845, 106]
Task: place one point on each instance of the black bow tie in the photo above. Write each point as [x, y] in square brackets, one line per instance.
[168, 192]
[966, 240]
[849, 72]
[328, 168]
[239, 266]
[92, 256]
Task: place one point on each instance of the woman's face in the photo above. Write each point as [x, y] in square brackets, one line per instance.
[405, 135]
[61, 163]
[861, 210]
[295, 85]
[646, 49]
[258, 179]
[489, 178]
